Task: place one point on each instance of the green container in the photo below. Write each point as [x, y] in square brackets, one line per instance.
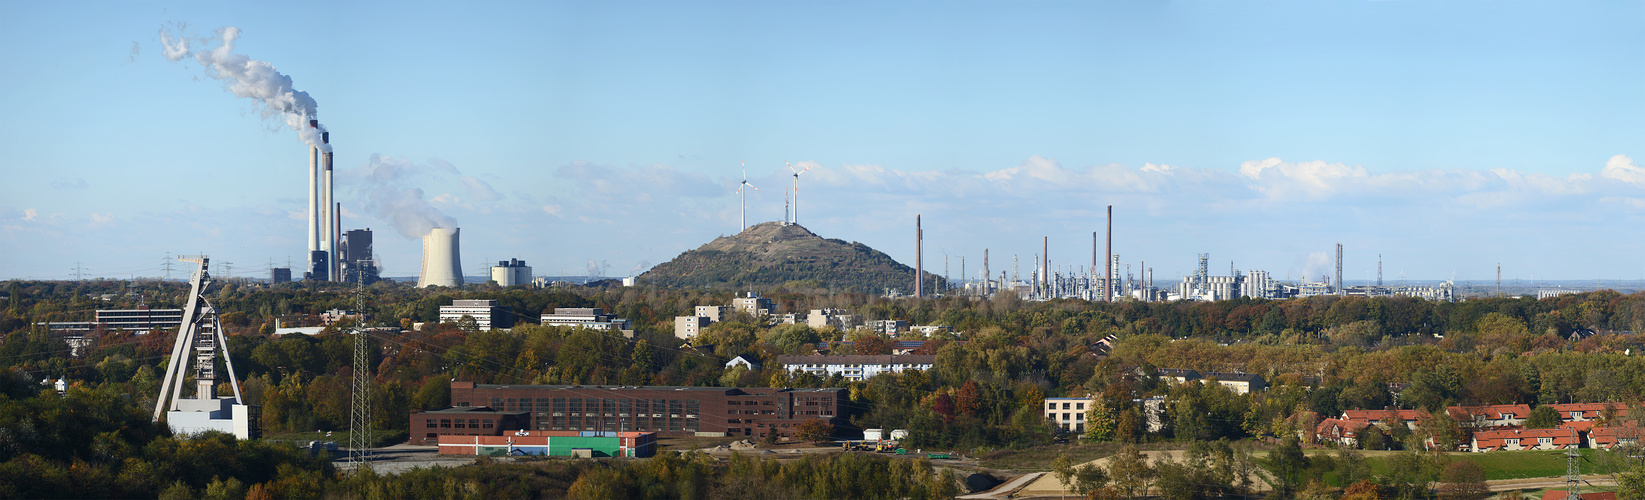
[938, 455]
[561, 446]
[902, 451]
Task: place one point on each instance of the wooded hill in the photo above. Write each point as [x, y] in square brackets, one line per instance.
[773, 254]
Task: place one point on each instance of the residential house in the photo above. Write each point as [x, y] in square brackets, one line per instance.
[1411, 418]
[1525, 439]
[1342, 431]
[1582, 412]
[1605, 438]
[1490, 415]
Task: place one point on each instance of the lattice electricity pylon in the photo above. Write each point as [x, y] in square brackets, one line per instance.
[1573, 474]
[202, 333]
[359, 435]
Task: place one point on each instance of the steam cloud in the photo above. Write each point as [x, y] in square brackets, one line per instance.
[391, 197]
[639, 268]
[1317, 265]
[597, 269]
[249, 78]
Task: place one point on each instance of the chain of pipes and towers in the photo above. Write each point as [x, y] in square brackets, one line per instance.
[1046, 282]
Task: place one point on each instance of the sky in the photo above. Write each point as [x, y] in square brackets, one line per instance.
[607, 137]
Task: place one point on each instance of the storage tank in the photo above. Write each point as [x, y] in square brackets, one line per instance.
[511, 272]
[441, 262]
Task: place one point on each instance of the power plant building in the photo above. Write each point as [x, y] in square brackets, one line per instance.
[441, 260]
[354, 256]
[512, 272]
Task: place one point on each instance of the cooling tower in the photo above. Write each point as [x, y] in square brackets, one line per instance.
[441, 263]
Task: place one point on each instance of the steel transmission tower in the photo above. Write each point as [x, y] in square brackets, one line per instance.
[359, 435]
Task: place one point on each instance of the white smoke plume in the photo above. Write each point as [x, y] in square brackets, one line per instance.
[1316, 266]
[597, 269]
[391, 197]
[639, 268]
[249, 78]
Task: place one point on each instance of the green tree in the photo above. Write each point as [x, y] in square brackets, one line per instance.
[1288, 464]
[1099, 422]
[1130, 471]
[1543, 417]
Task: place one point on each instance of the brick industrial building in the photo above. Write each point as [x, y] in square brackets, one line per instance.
[667, 411]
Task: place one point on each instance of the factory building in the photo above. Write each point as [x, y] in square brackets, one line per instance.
[278, 275]
[511, 272]
[354, 257]
[671, 411]
[554, 444]
[486, 313]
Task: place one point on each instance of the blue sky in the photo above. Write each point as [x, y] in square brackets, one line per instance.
[1446, 137]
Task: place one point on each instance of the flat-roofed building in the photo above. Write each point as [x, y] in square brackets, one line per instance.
[753, 305]
[856, 366]
[669, 411]
[1068, 413]
[585, 317]
[428, 426]
[486, 313]
[687, 327]
[142, 319]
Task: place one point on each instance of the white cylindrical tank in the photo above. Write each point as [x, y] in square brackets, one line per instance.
[511, 273]
[441, 262]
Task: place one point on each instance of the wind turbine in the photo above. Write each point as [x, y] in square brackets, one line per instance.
[745, 195]
[795, 217]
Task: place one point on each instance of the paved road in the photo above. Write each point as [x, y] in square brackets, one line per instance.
[1001, 491]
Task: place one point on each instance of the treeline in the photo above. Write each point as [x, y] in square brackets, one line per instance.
[98, 443]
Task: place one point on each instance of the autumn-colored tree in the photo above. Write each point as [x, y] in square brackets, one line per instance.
[943, 405]
[969, 399]
[814, 430]
[872, 345]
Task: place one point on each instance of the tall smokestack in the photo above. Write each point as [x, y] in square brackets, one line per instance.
[919, 258]
[1108, 282]
[985, 277]
[1340, 289]
[1094, 273]
[313, 203]
[331, 234]
[1045, 264]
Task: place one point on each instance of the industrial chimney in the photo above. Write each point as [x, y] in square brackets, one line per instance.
[441, 262]
[919, 258]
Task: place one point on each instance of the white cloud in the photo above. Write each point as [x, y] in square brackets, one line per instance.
[29, 214]
[1623, 168]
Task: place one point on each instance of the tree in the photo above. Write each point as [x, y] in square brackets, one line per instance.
[1287, 462]
[815, 431]
[1130, 471]
[1099, 422]
[1463, 480]
[1063, 467]
[642, 355]
[1543, 417]
[969, 400]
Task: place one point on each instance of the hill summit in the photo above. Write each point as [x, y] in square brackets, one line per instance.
[773, 253]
